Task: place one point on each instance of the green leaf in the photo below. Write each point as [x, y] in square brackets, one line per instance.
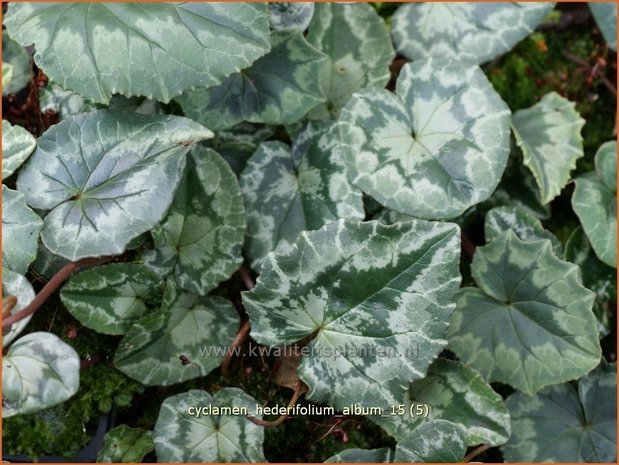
[16, 56]
[357, 44]
[595, 202]
[7, 74]
[20, 231]
[287, 191]
[596, 276]
[158, 50]
[47, 264]
[382, 455]
[605, 15]
[471, 32]
[356, 288]
[435, 148]
[456, 393]
[17, 145]
[567, 424]
[180, 437]
[526, 226]
[200, 239]
[294, 16]
[279, 88]
[38, 371]
[518, 188]
[125, 445]
[66, 103]
[106, 177]
[530, 322]
[549, 134]
[110, 298]
[181, 341]
[436, 441]
[18, 286]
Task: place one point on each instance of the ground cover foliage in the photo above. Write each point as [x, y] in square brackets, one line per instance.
[404, 213]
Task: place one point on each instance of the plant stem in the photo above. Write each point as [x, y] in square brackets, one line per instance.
[467, 245]
[51, 286]
[236, 342]
[249, 283]
[475, 452]
[297, 393]
[592, 70]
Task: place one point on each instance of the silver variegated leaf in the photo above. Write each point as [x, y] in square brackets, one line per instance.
[294, 16]
[65, 103]
[526, 226]
[123, 444]
[17, 145]
[38, 371]
[549, 135]
[20, 231]
[359, 51]
[471, 31]
[110, 298]
[565, 423]
[19, 59]
[18, 286]
[187, 338]
[529, 324]
[436, 147]
[106, 177]
[183, 436]
[382, 455]
[200, 239]
[157, 50]
[279, 88]
[456, 393]
[436, 441]
[605, 14]
[287, 191]
[595, 202]
[355, 288]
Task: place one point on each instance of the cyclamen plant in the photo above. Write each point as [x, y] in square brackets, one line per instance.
[200, 144]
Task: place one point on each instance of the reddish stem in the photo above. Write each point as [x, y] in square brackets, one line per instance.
[297, 393]
[236, 342]
[51, 286]
[467, 245]
[249, 283]
[475, 452]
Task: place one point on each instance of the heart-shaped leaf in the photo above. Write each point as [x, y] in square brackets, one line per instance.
[38, 371]
[595, 202]
[436, 441]
[456, 393]
[110, 298]
[436, 147]
[549, 135]
[18, 286]
[382, 455]
[605, 14]
[567, 424]
[279, 88]
[200, 239]
[125, 445]
[526, 226]
[183, 434]
[295, 16]
[359, 50]
[473, 32]
[287, 191]
[530, 322]
[187, 338]
[19, 59]
[157, 50]
[106, 177]
[376, 299]
[20, 231]
[17, 145]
